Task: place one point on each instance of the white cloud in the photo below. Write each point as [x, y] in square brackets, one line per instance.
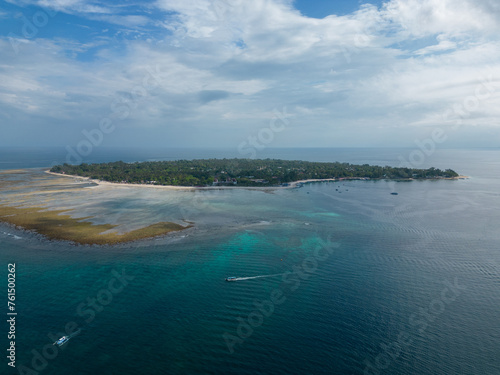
[420, 18]
[228, 66]
[124, 20]
[93, 10]
[67, 6]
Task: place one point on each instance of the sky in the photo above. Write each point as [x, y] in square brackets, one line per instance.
[260, 73]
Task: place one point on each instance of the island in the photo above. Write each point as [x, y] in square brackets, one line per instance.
[67, 203]
[240, 172]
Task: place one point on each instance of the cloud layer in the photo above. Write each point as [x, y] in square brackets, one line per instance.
[210, 73]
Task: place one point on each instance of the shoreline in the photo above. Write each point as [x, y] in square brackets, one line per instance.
[291, 185]
[60, 225]
[171, 187]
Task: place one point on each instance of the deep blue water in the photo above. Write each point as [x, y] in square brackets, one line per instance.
[378, 301]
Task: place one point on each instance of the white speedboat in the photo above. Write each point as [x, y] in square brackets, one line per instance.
[61, 341]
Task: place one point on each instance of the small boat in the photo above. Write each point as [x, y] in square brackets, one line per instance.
[232, 278]
[61, 341]
[394, 193]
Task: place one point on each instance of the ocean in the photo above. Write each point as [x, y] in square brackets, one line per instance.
[352, 279]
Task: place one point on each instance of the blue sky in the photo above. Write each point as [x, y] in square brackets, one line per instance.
[214, 73]
[325, 8]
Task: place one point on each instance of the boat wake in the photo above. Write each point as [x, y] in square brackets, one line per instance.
[257, 277]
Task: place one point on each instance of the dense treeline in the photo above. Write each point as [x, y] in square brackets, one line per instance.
[247, 172]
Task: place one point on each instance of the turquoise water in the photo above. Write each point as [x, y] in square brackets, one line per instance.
[382, 265]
